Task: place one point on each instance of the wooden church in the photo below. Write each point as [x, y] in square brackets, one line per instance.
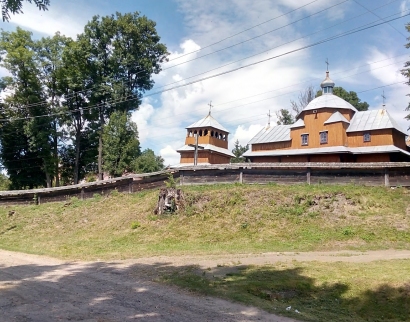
[206, 143]
[329, 129]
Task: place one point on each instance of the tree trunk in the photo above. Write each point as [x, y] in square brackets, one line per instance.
[170, 200]
[55, 143]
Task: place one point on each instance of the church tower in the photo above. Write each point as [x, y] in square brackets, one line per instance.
[209, 139]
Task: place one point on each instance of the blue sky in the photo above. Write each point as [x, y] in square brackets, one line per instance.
[235, 33]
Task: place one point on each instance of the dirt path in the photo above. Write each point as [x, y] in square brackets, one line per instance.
[38, 288]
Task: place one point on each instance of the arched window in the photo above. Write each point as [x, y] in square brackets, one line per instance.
[212, 133]
[205, 132]
[217, 135]
[200, 132]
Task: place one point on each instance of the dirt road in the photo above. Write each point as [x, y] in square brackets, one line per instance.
[41, 289]
[38, 288]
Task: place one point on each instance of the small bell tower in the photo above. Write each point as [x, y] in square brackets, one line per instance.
[206, 142]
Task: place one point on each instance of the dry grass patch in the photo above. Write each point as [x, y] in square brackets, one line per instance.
[216, 219]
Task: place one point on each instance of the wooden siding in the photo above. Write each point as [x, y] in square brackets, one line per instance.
[274, 176]
[314, 124]
[207, 140]
[377, 137]
[399, 140]
[265, 159]
[324, 158]
[205, 157]
[271, 146]
[370, 177]
[295, 158]
[375, 157]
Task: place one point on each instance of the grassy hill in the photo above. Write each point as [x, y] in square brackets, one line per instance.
[216, 219]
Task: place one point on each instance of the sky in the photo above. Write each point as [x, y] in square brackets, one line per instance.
[250, 58]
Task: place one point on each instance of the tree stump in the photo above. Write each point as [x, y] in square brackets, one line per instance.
[169, 201]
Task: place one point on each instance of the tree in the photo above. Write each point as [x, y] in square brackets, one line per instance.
[238, 150]
[304, 98]
[350, 97]
[122, 53]
[406, 72]
[26, 135]
[121, 144]
[148, 162]
[15, 6]
[284, 117]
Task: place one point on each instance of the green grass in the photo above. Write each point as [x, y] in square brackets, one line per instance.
[377, 291]
[216, 219]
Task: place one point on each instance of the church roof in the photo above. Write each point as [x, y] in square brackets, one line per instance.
[277, 133]
[328, 150]
[373, 120]
[336, 117]
[330, 101]
[298, 123]
[209, 147]
[208, 121]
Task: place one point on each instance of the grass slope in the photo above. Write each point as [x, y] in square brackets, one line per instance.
[216, 219]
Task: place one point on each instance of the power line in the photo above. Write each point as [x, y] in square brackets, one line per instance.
[243, 31]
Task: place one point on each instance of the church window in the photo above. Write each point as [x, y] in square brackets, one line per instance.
[212, 133]
[366, 137]
[200, 132]
[323, 137]
[305, 139]
[205, 132]
[216, 135]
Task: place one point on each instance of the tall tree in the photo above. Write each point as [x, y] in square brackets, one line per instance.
[350, 97]
[24, 108]
[123, 51]
[50, 63]
[148, 162]
[284, 117]
[238, 150]
[15, 6]
[304, 98]
[121, 144]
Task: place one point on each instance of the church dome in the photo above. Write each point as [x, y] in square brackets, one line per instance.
[328, 99]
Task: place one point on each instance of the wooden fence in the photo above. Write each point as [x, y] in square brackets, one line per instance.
[371, 174]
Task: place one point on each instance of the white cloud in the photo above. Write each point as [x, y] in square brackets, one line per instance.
[51, 21]
[142, 117]
[170, 156]
[244, 134]
[404, 7]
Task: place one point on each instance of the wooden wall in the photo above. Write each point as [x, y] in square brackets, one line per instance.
[376, 157]
[314, 124]
[207, 140]
[399, 140]
[205, 157]
[271, 146]
[378, 137]
[393, 174]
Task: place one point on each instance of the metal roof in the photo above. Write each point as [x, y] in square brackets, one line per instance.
[373, 120]
[278, 133]
[330, 101]
[208, 121]
[298, 123]
[336, 117]
[327, 150]
[209, 147]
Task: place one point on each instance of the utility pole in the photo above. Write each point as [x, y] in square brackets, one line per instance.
[196, 147]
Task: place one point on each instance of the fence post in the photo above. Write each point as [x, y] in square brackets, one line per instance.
[181, 178]
[130, 187]
[308, 176]
[386, 177]
[82, 193]
[241, 177]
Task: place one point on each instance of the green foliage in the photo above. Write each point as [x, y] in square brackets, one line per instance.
[350, 97]
[284, 117]
[135, 225]
[16, 6]
[4, 182]
[148, 162]
[238, 150]
[121, 145]
[171, 182]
